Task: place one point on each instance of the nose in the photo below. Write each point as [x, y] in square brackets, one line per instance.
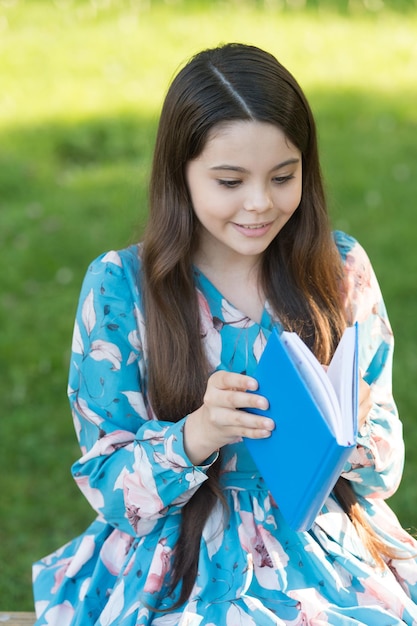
[258, 199]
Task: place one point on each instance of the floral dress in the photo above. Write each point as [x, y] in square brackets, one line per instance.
[254, 570]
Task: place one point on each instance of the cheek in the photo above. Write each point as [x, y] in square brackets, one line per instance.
[205, 213]
[297, 199]
[289, 202]
[209, 206]
[198, 202]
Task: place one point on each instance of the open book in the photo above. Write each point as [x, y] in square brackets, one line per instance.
[315, 415]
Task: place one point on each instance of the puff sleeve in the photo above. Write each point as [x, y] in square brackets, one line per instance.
[375, 467]
[133, 469]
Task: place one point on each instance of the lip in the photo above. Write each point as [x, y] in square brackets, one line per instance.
[253, 230]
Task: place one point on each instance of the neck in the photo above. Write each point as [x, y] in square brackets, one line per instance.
[237, 266]
[238, 283]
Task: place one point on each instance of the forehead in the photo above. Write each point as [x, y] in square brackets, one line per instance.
[240, 137]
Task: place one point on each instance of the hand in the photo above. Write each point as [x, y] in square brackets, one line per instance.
[365, 401]
[220, 420]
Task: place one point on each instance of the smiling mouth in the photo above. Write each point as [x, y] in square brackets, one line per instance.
[253, 226]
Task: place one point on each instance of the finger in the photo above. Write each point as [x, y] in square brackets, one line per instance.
[245, 400]
[252, 421]
[233, 399]
[230, 380]
[237, 424]
[253, 426]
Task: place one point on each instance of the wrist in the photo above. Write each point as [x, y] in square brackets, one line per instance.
[197, 445]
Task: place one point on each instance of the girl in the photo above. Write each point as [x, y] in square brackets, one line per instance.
[167, 335]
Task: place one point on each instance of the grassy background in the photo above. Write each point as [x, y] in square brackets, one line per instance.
[81, 86]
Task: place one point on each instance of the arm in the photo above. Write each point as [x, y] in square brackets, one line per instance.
[134, 468]
[375, 467]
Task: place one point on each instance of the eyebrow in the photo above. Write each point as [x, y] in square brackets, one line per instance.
[237, 168]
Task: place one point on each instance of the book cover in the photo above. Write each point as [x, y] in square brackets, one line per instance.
[313, 436]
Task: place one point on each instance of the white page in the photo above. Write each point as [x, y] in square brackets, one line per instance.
[341, 373]
[316, 380]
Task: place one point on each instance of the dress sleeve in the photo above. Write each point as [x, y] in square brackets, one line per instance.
[133, 469]
[375, 466]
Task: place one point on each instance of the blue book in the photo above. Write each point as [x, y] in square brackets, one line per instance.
[315, 415]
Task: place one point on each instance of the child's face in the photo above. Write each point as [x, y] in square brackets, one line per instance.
[244, 187]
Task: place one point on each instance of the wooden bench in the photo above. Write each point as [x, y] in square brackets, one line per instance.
[10, 618]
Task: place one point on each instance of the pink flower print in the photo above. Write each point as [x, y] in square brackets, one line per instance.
[101, 350]
[112, 257]
[230, 466]
[278, 556]
[170, 459]
[81, 407]
[404, 570]
[137, 339]
[140, 492]
[61, 614]
[77, 343]
[82, 556]
[59, 575]
[133, 516]
[155, 437]
[213, 532]
[159, 567]
[311, 606]
[114, 607]
[246, 531]
[259, 345]
[359, 458]
[93, 495]
[234, 317]
[382, 452]
[251, 539]
[378, 592]
[108, 444]
[381, 328]
[361, 288]
[114, 551]
[265, 559]
[211, 337]
[88, 313]
[384, 517]
[136, 401]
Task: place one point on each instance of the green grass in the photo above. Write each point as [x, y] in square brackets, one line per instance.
[82, 83]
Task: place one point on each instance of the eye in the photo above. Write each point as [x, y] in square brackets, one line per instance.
[280, 180]
[230, 183]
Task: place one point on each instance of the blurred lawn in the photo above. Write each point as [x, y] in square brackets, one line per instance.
[81, 86]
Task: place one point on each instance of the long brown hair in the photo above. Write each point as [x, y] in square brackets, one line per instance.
[301, 270]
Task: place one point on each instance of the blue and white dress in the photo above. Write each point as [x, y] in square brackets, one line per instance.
[253, 569]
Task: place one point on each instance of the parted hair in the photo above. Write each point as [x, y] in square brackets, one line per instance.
[301, 271]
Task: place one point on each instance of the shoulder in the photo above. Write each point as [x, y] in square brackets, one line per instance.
[117, 265]
[114, 275]
[361, 289]
[126, 261]
[347, 245]
[353, 254]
